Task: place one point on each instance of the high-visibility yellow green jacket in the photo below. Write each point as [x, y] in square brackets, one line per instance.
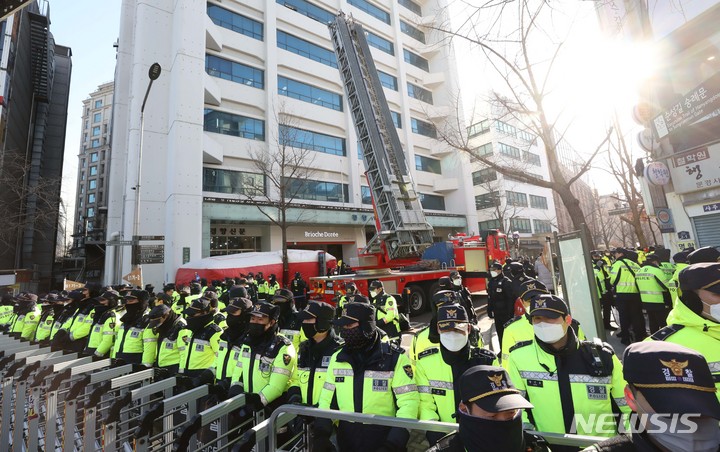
[199, 350]
[622, 276]
[519, 329]
[652, 283]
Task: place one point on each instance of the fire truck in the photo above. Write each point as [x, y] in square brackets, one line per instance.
[402, 254]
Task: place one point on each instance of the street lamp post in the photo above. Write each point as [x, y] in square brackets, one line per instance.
[153, 74]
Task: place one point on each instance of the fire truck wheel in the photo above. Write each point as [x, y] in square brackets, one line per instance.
[417, 299]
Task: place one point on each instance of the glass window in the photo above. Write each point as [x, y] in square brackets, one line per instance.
[479, 128]
[93, 157]
[419, 93]
[412, 31]
[485, 149]
[235, 72]
[93, 170]
[416, 60]
[514, 179]
[516, 199]
[91, 212]
[83, 163]
[236, 22]
[531, 158]
[365, 194]
[82, 189]
[432, 202]
[487, 200]
[483, 176]
[380, 43]
[542, 226]
[318, 190]
[307, 49]
[423, 128]
[227, 181]
[505, 128]
[510, 151]
[96, 131]
[489, 224]
[98, 103]
[427, 164]
[91, 198]
[388, 81]
[305, 139]
[95, 143]
[538, 202]
[236, 125]
[92, 184]
[97, 117]
[308, 93]
[526, 136]
[396, 119]
[412, 6]
[520, 225]
[308, 9]
[87, 124]
[371, 9]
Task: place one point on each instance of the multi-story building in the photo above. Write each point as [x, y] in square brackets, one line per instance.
[34, 91]
[236, 75]
[504, 202]
[91, 195]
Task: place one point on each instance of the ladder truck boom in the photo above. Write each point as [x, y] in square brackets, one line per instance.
[402, 229]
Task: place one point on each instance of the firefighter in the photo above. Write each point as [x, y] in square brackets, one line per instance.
[627, 296]
[366, 376]
[299, 289]
[314, 353]
[167, 324]
[200, 341]
[386, 308]
[563, 376]
[501, 304]
[135, 343]
[288, 320]
[105, 324]
[438, 368]
[654, 292]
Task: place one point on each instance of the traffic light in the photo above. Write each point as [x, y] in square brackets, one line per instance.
[9, 7]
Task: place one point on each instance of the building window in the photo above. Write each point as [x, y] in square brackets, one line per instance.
[308, 9]
[516, 199]
[91, 198]
[235, 125]
[93, 158]
[307, 49]
[427, 164]
[487, 200]
[520, 225]
[365, 196]
[510, 151]
[96, 131]
[432, 202]
[90, 212]
[531, 158]
[489, 224]
[419, 93]
[479, 128]
[97, 117]
[411, 31]
[98, 103]
[318, 190]
[483, 176]
[505, 128]
[226, 181]
[92, 184]
[380, 43]
[388, 81]
[538, 202]
[235, 72]
[236, 22]
[308, 93]
[485, 149]
[371, 9]
[412, 6]
[93, 170]
[230, 238]
[416, 60]
[83, 163]
[305, 139]
[396, 119]
[423, 128]
[82, 189]
[542, 226]
[514, 179]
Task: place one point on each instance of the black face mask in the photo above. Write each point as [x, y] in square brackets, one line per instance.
[256, 330]
[134, 309]
[100, 310]
[480, 435]
[309, 330]
[355, 338]
[57, 309]
[237, 325]
[197, 323]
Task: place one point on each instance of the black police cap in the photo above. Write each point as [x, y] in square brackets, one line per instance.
[450, 317]
[238, 292]
[201, 304]
[282, 296]
[239, 304]
[704, 254]
[490, 388]
[158, 311]
[317, 310]
[700, 276]
[673, 378]
[265, 309]
[355, 312]
[548, 305]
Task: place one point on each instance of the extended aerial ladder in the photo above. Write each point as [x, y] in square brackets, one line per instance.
[402, 230]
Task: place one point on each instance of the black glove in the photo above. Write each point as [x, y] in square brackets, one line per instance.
[235, 390]
[253, 401]
[205, 377]
[433, 437]
[139, 367]
[184, 383]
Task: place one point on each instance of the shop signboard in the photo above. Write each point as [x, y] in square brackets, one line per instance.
[698, 169]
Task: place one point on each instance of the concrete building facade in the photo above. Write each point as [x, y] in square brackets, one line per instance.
[234, 74]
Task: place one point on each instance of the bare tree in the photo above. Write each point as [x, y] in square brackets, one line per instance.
[527, 71]
[287, 172]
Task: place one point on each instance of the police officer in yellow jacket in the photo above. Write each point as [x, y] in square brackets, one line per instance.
[200, 341]
[135, 343]
[695, 320]
[271, 286]
[238, 320]
[81, 322]
[652, 281]
[6, 311]
[27, 316]
[388, 317]
[52, 306]
[267, 362]
[366, 376]
[437, 370]
[314, 353]
[104, 325]
[167, 325]
[627, 295]
[288, 321]
[351, 291]
[563, 376]
[428, 336]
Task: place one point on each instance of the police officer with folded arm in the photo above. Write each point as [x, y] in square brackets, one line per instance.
[563, 376]
[489, 415]
[367, 376]
[136, 343]
[167, 324]
[200, 341]
[671, 389]
[104, 326]
[238, 320]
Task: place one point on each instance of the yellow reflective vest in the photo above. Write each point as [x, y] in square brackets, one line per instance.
[622, 276]
[519, 329]
[199, 350]
[136, 342]
[102, 336]
[312, 365]
[653, 286]
[169, 345]
[42, 332]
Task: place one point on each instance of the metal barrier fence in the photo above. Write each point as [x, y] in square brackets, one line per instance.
[56, 401]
